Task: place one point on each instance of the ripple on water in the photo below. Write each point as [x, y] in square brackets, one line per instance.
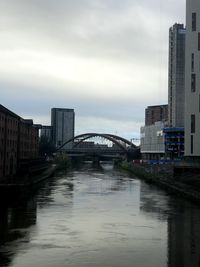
[100, 218]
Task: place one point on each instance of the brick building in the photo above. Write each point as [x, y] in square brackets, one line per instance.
[156, 113]
[47, 132]
[152, 138]
[19, 140]
[28, 139]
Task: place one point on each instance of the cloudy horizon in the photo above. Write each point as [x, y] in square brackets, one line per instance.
[107, 59]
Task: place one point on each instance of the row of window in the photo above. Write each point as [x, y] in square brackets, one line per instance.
[193, 126]
[12, 122]
[193, 75]
[12, 143]
[194, 21]
[193, 81]
[2, 117]
[7, 155]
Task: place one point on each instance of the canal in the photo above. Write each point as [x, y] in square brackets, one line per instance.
[99, 218]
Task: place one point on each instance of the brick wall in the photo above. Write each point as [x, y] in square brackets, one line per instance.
[19, 140]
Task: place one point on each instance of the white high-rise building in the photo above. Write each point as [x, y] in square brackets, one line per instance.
[62, 122]
[192, 79]
[176, 76]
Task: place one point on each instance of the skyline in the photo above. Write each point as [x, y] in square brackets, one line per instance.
[87, 55]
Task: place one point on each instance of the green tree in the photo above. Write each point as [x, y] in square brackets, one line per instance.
[62, 161]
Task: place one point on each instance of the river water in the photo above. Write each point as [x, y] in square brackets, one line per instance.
[100, 218]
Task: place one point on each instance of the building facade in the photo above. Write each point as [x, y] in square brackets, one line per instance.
[192, 79]
[156, 113]
[9, 138]
[174, 142]
[176, 76]
[152, 144]
[46, 131]
[19, 140]
[28, 139]
[62, 122]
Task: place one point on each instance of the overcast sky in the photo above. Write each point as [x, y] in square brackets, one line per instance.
[107, 59]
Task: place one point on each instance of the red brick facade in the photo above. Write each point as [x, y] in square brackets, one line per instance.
[156, 113]
[19, 140]
[28, 140]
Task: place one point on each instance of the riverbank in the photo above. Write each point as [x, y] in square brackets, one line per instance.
[13, 190]
[165, 177]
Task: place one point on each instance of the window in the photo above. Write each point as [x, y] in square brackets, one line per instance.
[199, 102]
[192, 62]
[192, 144]
[193, 82]
[194, 18]
[199, 41]
[192, 123]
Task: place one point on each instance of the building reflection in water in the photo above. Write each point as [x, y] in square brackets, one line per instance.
[15, 225]
[18, 220]
[183, 221]
[184, 235]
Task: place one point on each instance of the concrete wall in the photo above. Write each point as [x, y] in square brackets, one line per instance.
[152, 139]
[192, 97]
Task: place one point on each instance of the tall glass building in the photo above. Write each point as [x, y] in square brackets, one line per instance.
[176, 76]
[62, 122]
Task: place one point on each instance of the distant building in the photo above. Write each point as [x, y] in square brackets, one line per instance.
[46, 131]
[84, 144]
[19, 141]
[62, 121]
[174, 142]
[192, 79]
[156, 113]
[152, 145]
[28, 140]
[176, 75]
[161, 142]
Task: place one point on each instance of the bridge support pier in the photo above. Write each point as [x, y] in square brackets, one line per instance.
[96, 161]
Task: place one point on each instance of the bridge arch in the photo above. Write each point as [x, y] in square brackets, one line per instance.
[119, 141]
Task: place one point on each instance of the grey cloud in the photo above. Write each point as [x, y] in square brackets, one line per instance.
[90, 28]
[41, 103]
[120, 31]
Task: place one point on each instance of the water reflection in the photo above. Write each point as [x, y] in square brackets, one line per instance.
[100, 217]
[183, 220]
[15, 223]
[18, 221]
[154, 202]
[60, 184]
[184, 235]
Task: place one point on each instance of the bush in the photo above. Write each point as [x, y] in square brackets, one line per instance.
[62, 162]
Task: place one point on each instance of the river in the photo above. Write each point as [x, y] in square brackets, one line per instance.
[99, 218]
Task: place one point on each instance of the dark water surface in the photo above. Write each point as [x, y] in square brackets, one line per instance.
[100, 218]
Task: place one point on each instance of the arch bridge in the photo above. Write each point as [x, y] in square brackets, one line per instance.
[78, 146]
